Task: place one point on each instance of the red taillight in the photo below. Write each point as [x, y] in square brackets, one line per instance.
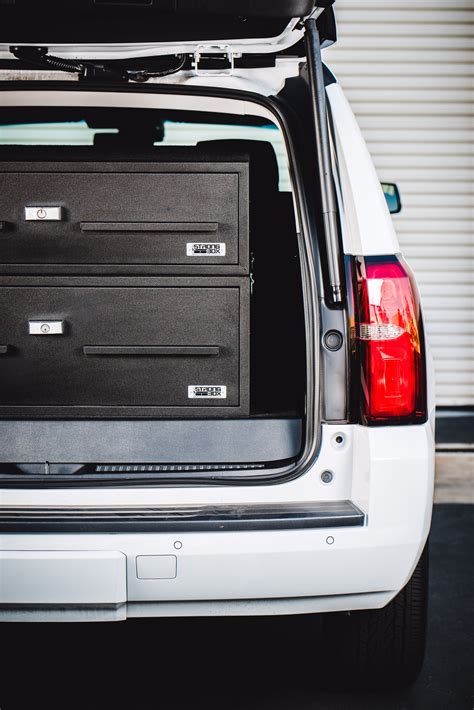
[389, 336]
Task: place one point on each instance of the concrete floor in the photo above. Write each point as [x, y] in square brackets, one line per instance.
[454, 456]
[454, 477]
[239, 664]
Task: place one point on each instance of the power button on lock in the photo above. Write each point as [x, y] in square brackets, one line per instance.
[41, 327]
[43, 214]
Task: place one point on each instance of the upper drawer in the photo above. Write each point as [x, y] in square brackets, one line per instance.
[192, 220]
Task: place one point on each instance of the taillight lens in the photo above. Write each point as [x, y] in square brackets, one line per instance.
[389, 342]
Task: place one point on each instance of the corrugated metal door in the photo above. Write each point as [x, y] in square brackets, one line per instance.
[407, 69]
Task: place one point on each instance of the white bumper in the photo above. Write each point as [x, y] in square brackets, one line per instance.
[386, 472]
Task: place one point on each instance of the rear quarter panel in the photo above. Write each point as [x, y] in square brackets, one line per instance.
[367, 227]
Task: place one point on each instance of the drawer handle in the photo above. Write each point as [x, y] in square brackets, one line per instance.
[153, 350]
[149, 226]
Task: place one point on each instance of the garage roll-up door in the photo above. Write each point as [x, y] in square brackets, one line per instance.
[407, 69]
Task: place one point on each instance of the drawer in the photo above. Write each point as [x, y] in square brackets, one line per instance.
[173, 347]
[193, 219]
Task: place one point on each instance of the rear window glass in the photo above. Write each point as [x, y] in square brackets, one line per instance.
[174, 133]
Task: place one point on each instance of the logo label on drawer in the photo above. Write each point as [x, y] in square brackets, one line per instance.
[207, 392]
[205, 249]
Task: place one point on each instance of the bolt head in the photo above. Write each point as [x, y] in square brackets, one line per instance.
[327, 476]
[333, 340]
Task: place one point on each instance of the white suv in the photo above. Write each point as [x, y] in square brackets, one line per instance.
[215, 391]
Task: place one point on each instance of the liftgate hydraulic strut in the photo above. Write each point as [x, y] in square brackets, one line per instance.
[328, 196]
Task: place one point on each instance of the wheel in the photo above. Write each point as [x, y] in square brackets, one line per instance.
[381, 648]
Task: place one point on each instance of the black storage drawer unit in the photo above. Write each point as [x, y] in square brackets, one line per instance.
[124, 347]
[182, 217]
[125, 279]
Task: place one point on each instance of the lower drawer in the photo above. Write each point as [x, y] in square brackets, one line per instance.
[171, 348]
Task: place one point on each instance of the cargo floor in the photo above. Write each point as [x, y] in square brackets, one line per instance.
[149, 442]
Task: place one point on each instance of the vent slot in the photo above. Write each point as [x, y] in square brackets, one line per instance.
[124, 3]
[173, 468]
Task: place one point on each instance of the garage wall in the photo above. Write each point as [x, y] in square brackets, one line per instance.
[407, 69]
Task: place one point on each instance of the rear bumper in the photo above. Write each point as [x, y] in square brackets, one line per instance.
[387, 473]
[269, 572]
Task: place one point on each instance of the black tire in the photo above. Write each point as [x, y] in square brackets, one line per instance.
[381, 648]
